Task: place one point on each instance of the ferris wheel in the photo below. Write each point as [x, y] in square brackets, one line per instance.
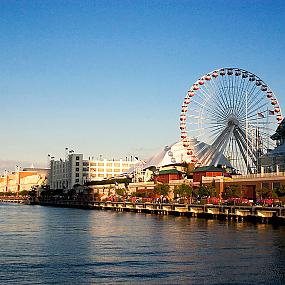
[234, 113]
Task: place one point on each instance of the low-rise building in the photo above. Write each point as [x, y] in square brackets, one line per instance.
[165, 176]
[64, 174]
[23, 180]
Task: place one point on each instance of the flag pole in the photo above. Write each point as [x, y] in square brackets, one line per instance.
[267, 129]
[246, 132]
[257, 144]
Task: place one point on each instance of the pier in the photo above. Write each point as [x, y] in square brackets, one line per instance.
[255, 214]
[14, 200]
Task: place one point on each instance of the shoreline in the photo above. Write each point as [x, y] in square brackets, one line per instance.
[253, 214]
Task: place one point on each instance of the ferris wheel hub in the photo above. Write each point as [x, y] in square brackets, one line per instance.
[233, 121]
[234, 112]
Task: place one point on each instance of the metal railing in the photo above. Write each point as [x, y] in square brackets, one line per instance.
[260, 175]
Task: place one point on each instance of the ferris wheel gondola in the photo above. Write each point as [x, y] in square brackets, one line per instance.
[234, 112]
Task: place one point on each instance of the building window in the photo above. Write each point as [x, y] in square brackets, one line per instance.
[77, 163]
[276, 185]
[77, 157]
[265, 185]
[76, 180]
[77, 169]
[77, 174]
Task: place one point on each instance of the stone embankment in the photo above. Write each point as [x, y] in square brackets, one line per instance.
[255, 214]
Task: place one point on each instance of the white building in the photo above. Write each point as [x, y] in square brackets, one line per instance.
[64, 174]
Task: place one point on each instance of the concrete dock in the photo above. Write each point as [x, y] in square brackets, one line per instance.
[255, 214]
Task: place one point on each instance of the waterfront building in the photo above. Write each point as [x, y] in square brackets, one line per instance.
[207, 171]
[64, 174]
[167, 175]
[27, 179]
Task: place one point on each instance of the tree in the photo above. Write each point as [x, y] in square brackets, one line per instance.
[203, 191]
[161, 189]
[263, 193]
[121, 191]
[232, 191]
[183, 190]
[188, 167]
[278, 192]
[24, 192]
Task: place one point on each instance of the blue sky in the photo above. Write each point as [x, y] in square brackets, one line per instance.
[108, 77]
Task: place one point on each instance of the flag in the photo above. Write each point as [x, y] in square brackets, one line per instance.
[260, 115]
[271, 112]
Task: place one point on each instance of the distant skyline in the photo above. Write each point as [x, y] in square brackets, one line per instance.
[108, 77]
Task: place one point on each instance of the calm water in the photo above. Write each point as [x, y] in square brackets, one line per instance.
[45, 245]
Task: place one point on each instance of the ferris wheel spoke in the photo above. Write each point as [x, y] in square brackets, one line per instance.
[216, 149]
[244, 95]
[229, 116]
[263, 132]
[248, 142]
[243, 149]
[225, 92]
[256, 110]
[235, 94]
[219, 102]
[230, 90]
[258, 106]
[209, 111]
[254, 97]
[221, 110]
[219, 96]
[239, 95]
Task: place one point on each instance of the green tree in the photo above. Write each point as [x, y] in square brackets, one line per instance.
[121, 191]
[203, 191]
[161, 189]
[279, 192]
[183, 190]
[263, 193]
[24, 192]
[232, 191]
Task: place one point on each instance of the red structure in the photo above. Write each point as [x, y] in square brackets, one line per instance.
[166, 175]
[207, 171]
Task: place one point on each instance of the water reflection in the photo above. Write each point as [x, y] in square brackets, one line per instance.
[42, 245]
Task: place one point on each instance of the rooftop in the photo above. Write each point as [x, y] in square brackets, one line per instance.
[208, 169]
